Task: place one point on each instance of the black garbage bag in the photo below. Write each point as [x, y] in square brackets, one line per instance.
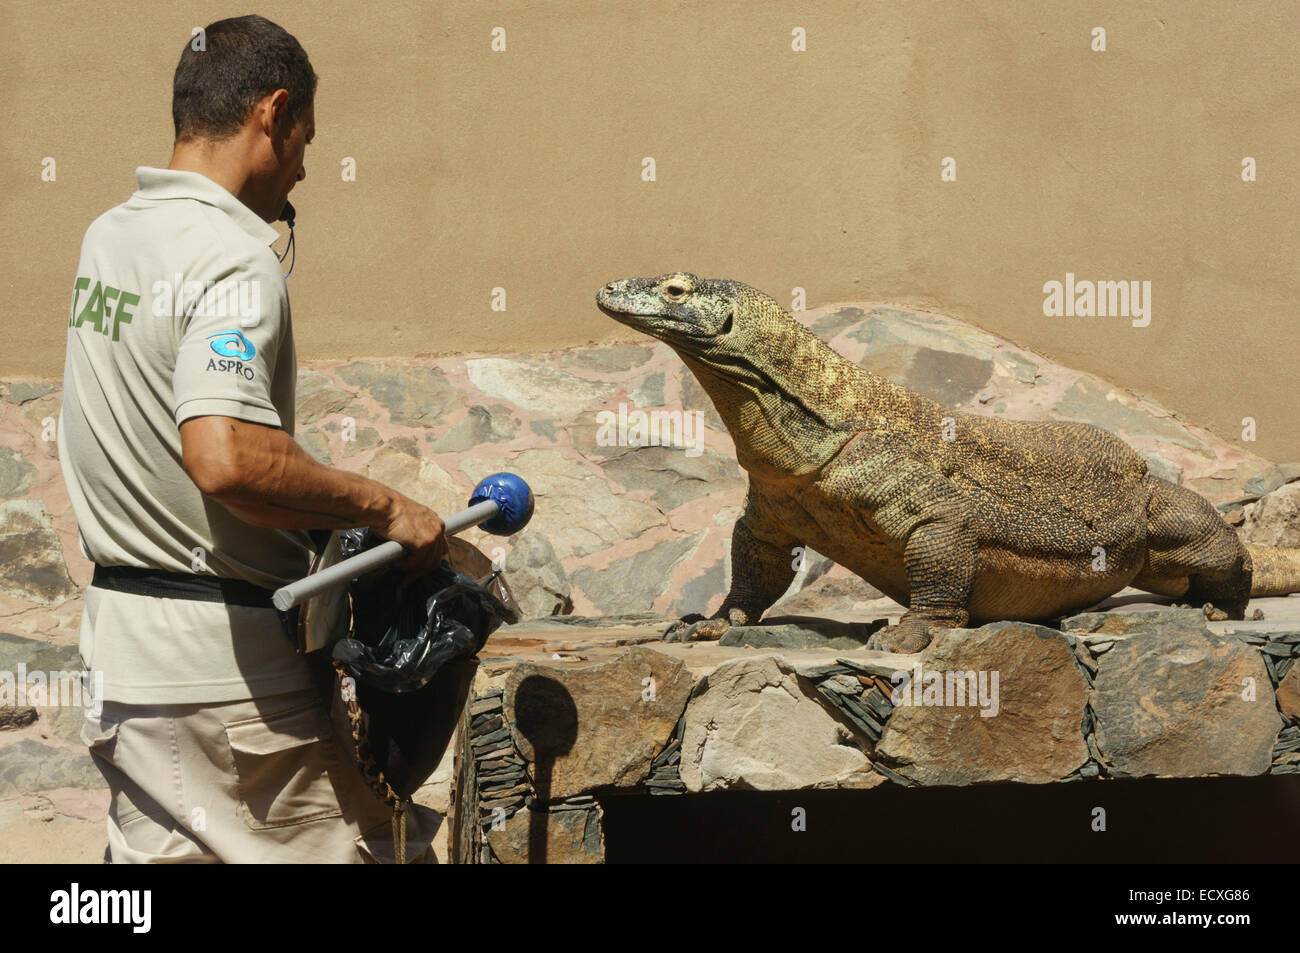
[405, 670]
[399, 640]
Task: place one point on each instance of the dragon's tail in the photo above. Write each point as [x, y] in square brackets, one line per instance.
[1277, 570]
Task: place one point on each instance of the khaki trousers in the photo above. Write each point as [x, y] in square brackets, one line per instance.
[256, 781]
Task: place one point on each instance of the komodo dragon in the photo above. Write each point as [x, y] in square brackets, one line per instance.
[963, 519]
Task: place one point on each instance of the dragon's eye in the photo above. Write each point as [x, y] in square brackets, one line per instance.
[675, 290]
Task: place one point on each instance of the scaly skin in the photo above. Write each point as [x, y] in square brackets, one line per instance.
[963, 519]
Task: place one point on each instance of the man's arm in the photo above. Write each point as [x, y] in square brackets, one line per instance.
[262, 476]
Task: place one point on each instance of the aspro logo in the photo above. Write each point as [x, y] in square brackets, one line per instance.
[232, 343]
[235, 351]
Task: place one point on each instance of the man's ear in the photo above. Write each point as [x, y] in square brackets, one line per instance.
[275, 115]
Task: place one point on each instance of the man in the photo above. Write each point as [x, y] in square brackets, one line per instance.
[192, 497]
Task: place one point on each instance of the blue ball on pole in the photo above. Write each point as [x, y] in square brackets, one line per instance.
[512, 495]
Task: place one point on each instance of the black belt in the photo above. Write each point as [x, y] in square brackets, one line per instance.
[183, 585]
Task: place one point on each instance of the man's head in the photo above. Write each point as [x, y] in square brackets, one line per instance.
[245, 89]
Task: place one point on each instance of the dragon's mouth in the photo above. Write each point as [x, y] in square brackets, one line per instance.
[642, 310]
[668, 330]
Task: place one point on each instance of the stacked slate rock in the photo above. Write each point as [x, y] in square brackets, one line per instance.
[579, 802]
[501, 773]
[1279, 651]
[1086, 653]
[1286, 753]
[861, 694]
[665, 778]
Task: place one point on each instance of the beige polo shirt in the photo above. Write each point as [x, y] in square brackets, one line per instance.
[179, 309]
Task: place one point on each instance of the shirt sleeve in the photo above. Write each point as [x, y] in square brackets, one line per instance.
[229, 338]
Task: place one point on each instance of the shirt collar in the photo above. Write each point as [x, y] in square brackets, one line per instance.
[176, 184]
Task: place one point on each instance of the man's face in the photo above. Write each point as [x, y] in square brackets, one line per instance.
[290, 151]
[277, 148]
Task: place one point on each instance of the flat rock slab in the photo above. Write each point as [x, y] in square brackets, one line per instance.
[414, 396]
[1125, 622]
[30, 766]
[1288, 694]
[32, 555]
[573, 622]
[1003, 702]
[1184, 703]
[597, 726]
[754, 724]
[799, 633]
[36, 655]
[550, 837]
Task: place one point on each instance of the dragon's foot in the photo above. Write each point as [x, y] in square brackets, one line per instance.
[901, 638]
[914, 631]
[696, 628]
[1212, 614]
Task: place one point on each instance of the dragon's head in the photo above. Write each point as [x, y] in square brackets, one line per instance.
[689, 313]
[776, 386]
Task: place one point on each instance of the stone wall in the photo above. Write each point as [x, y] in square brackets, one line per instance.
[1146, 694]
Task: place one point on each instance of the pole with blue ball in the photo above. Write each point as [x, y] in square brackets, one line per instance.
[502, 504]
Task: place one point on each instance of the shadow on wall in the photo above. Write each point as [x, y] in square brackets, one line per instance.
[547, 716]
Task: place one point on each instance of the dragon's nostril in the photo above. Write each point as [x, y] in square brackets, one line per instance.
[610, 286]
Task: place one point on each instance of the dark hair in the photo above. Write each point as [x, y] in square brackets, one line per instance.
[245, 59]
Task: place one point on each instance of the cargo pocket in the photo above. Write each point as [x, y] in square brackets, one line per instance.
[99, 734]
[287, 768]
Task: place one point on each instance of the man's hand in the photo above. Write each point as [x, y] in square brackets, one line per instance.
[262, 476]
[421, 531]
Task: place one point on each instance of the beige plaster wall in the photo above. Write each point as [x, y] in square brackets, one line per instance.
[820, 170]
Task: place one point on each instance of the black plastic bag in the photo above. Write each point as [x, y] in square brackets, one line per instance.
[399, 641]
[410, 658]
